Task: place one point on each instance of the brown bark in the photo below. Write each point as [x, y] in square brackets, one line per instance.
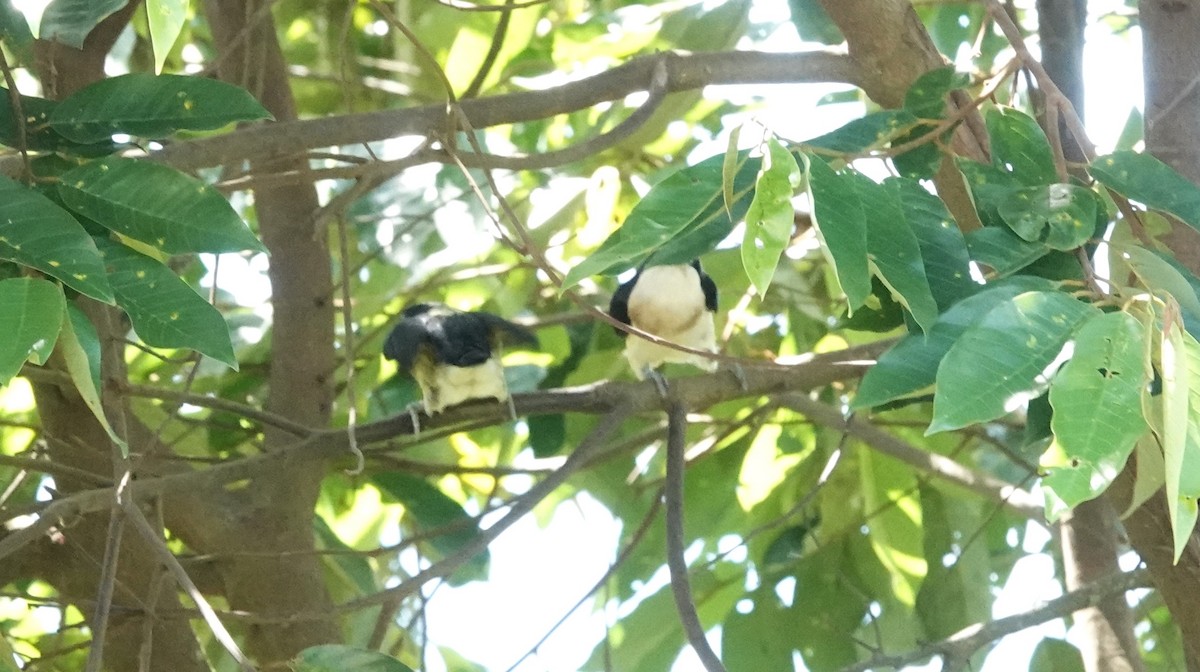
[273, 518]
[891, 49]
[1170, 62]
[1090, 536]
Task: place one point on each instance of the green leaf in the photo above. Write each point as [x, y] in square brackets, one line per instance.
[990, 188]
[1002, 250]
[81, 351]
[166, 19]
[157, 205]
[152, 106]
[955, 593]
[1057, 655]
[771, 216]
[889, 491]
[759, 639]
[165, 311]
[33, 314]
[873, 130]
[679, 219]
[341, 658]
[911, 365]
[431, 510]
[39, 234]
[997, 360]
[943, 248]
[1019, 147]
[1097, 407]
[893, 249]
[38, 133]
[1180, 425]
[1143, 178]
[14, 31]
[813, 24]
[1063, 216]
[841, 226]
[926, 97]
[70, 21]
[1159, 275]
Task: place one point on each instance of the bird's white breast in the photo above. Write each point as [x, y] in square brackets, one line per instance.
[455, 384]
[668, 302]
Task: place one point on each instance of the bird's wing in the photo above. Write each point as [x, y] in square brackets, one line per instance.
[510, 332]
[405, 342]
[618, 306]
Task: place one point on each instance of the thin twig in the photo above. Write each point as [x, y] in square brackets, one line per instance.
[18, 116]
[681, 586]
[489, 59]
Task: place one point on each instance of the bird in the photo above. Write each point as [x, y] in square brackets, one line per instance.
[675, 302]
[452, 354]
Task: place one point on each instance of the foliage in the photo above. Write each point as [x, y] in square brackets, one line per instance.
[807, 539]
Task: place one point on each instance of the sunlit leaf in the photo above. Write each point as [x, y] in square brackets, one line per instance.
[166, 19]
[165, 311]
[1056, 654]
[1097, 407]
[14, 30]
[894, 251]
[996, 361]
[157, 205]
[771, 216]
[911, 365]
[813, 24]
[1019, 147]
[889, 489]
[37, 233]
[33, 313]
[1143, 178]
[841, 225]
[681, 218]
[1180, 354]
[1159, 275]
[152, 106]
[1063, 216]
[81, 351]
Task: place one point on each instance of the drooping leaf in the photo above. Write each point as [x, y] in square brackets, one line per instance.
[342, 658]
[681, 218]
[37, 233]
[998, 359]
[81, 351]
[1158, 275]
[33, 313]
[841, 225]
[874, 130]
[1019, 147]
[1056, 654]
[157, 205]
[1143, 178]
[152, 106]
[165, 311]
[432, 510]
[1180, 354]
[943, 248]
[1063, 216]
[911, 365]
[166, 19]
[893, 249]
[889, 488]
[1097, 407]
[70, 21]
[771, 216]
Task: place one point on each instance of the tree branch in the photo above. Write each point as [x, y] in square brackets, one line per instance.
[684, 73]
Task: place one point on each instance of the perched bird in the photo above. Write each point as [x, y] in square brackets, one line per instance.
[452, 354]
[674, 302]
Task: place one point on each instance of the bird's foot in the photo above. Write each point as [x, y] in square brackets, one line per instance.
[660, 382]
[740, 375]
[414, 413]
[512, 408]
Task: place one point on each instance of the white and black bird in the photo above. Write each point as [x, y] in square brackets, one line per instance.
[675, 302]
[453, 355]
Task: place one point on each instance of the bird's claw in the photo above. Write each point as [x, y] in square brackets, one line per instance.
[414, 413]
[660, 382]
[512, 408]
[740, 375]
